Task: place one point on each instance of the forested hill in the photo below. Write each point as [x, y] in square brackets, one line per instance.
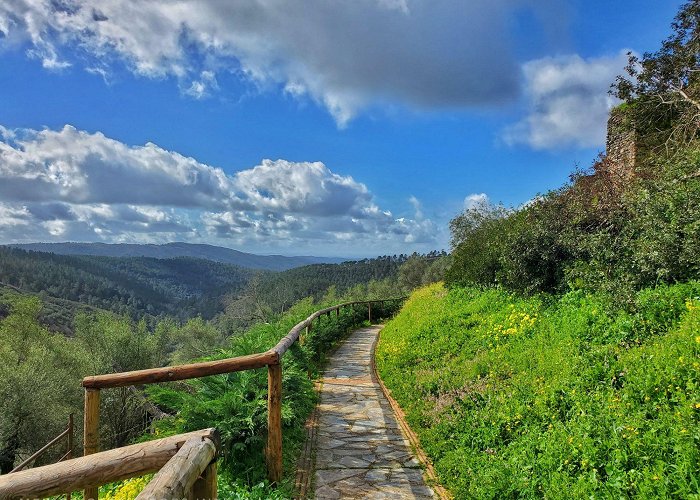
[173, 250]
[180, 287]
[393, 274]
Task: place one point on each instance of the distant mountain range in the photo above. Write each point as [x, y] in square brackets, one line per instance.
[172, 250]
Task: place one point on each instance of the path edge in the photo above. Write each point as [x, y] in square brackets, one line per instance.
[306, 464]
[428, 470]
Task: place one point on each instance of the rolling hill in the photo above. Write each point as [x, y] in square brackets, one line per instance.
[182, 287]
[174, 250]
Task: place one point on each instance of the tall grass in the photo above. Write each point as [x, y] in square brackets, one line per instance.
[564, 397]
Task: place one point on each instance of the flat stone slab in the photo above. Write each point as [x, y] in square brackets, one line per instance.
[360, 449]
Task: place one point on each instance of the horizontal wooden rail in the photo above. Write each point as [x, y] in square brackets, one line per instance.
[271, 359]
[99, 468]
[293, 335]
[178, 476]
[181, 372]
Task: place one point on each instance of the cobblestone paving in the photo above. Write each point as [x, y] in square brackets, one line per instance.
[360, 450]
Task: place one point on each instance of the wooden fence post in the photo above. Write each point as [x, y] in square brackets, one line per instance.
[205, 486]
[369, 312]
[91, 432]
[69, 452]
[274, 422]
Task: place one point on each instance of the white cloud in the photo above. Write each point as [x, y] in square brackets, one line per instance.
[73, 185]
[476, 200]
[203, 87]
[568, 101]
[344, 55]
[78, 167]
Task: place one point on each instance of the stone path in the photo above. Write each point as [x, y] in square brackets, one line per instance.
[360, 450]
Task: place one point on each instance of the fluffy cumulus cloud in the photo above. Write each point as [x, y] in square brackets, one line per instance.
[69, 184]
[568, 101]
[344, 55]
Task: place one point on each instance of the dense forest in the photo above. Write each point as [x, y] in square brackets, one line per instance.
[184, 287]
[136, 286]
[405, 272]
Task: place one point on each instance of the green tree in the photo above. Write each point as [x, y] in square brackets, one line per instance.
[39, 382]
[664, 86]
[117, 344]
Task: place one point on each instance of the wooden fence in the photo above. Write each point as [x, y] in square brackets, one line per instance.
[67, 434]
[185, 466]
[270, 359]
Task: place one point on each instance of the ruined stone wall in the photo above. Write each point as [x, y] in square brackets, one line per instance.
[621, 145]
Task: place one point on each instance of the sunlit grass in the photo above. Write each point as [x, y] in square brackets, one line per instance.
[558, 397]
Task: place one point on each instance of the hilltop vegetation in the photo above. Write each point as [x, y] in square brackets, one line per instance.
[562, 357]
[626, 223]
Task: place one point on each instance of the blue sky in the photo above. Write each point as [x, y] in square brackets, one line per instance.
[350, 128]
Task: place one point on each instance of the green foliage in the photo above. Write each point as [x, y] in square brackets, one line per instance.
[595, 234]
[664, 85]
[236, 403]
[555, 397]
[477, 237]
[39, 383]
[279, 291]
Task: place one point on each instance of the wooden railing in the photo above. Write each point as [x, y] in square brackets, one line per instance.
[185, 466]
[270, 359]
[67, 433]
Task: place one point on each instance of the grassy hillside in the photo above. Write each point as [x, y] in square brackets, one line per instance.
[561, 397]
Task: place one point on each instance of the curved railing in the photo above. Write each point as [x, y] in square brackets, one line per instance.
[270, 359]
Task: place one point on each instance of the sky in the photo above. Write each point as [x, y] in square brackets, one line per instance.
[301, 127]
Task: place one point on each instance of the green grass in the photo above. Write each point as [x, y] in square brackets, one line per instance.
[556, 397]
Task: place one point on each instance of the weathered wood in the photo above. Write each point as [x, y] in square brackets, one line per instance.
[69, 453]
[205, 486]
[99, 468]
[71, 430]
[39, 452]
[181, 372]
[91, 432]
[369, 312]
[177, 477]
[274, 423]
